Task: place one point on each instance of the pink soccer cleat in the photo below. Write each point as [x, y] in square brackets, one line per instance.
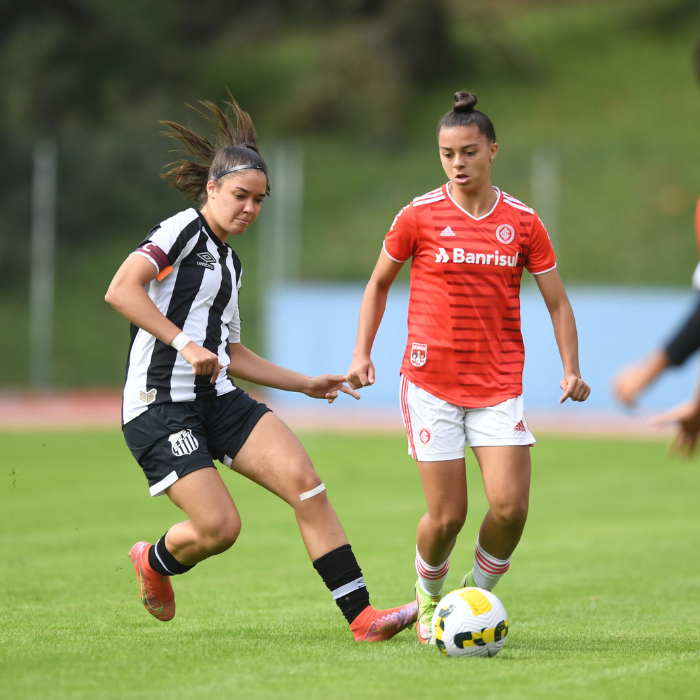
[156, 592]
[379, 625]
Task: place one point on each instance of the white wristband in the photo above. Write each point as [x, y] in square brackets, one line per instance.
[179, 341]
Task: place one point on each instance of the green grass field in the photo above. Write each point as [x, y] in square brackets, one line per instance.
[602, 594]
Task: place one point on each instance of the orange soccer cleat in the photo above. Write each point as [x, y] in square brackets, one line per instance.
[379, 625]
[156, 592]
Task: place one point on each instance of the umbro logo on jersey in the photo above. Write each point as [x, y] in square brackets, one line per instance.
[148, 396]
[520, 427]
[206, 260]
[447, 232]
[184, 443]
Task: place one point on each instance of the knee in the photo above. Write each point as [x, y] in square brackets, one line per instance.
[305, 480]
[511, 514]
[219, 533]
[449, 524]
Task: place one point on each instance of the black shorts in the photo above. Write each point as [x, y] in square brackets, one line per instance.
[171, 440]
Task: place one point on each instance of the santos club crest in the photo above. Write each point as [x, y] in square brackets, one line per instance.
[183, 443]
[419, 354]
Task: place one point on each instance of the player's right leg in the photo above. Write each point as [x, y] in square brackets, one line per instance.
[445, 488]
[213, 525]
[436, 440]
[169, 444]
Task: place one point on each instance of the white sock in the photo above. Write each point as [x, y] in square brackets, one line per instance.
[431, 578]
[487, 569]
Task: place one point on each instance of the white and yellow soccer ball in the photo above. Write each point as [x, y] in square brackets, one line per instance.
[470, 622]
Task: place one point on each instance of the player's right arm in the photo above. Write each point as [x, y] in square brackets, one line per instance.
[361, 372]
[128, 296]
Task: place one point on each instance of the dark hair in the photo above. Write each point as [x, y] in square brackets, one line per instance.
[464, 114]
[235, 145]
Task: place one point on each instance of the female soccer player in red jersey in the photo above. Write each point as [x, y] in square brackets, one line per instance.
[461, 376]
[181, 410]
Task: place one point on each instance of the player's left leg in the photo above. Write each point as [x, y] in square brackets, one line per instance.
[506, 473]
[273, 457]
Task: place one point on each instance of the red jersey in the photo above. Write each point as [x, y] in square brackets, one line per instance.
[464, 341]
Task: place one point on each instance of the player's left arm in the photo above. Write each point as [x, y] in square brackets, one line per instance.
[564, 324]
[245, 364]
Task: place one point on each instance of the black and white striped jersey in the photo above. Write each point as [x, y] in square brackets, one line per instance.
[197, 289]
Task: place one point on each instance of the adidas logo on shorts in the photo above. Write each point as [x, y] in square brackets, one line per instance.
[520, 427]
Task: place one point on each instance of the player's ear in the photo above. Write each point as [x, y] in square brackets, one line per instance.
[494, 150]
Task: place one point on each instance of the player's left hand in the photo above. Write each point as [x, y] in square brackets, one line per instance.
[687, 417]
[574, 388]
[327, 386]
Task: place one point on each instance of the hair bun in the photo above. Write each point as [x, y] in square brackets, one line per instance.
[464, 101]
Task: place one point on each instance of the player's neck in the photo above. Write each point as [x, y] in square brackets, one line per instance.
[478, 202]
[213, 225]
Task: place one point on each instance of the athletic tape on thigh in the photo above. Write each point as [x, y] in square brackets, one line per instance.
[313, 492]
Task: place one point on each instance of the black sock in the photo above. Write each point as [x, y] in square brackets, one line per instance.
[164, 563]
[338, 569]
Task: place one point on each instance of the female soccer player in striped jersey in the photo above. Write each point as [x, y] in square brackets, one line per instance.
[181, 410]
[461, 376]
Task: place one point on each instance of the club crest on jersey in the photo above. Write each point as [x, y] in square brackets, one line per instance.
[505, 234]
[206, 259]
[419, 354]
[184, 443]
[148, 396]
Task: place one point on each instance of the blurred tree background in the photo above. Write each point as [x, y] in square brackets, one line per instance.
[606, 86]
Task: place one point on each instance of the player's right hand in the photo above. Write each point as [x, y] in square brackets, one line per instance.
[203, 361]
[361, 373]
[628, 383]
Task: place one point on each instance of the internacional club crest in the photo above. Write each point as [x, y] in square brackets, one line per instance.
[184, 443]
[419, 354]
[505, 234]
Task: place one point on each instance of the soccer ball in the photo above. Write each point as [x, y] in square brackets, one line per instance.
[470, 622]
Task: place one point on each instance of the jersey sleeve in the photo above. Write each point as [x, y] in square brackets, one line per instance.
[686, 339]
[234, 325]
[400, 241]
[540, 257]
[169, 242]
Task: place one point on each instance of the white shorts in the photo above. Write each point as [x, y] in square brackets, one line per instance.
[438, 430]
